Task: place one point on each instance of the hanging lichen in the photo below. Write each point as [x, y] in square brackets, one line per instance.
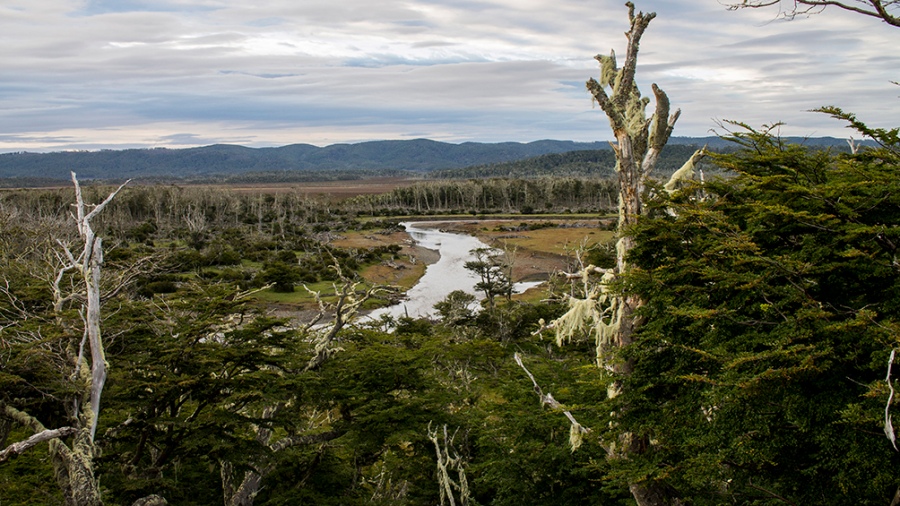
[597, 316]
[576, 436]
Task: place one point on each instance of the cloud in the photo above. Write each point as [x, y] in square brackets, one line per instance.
[114, 73]
[185, 139]
[96, 7]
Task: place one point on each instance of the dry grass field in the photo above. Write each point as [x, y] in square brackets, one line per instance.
[407, 267]
[540, 252]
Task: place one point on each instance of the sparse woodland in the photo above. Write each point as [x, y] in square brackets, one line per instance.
[737, 347]
[210, 399]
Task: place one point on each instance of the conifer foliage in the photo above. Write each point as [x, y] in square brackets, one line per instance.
[770, 309]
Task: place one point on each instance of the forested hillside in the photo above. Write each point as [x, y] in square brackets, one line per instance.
[593, 163]
[414, 155]
[303, 162]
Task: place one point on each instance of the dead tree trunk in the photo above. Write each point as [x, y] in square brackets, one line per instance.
[608, 316]
[73, 462]
[639, 142]
[445, 464]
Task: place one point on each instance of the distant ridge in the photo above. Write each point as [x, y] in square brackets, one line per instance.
[419, 155]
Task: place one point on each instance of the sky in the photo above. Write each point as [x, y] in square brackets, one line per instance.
[116, 74]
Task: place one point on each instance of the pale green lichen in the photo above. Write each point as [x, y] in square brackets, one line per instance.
[608, 70]
[576, 436]
[596, 316]
[685, 173]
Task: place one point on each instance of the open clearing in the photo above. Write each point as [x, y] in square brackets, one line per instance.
[539, 252]
[403, 270]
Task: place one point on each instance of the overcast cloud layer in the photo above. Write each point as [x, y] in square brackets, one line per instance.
[92, 74]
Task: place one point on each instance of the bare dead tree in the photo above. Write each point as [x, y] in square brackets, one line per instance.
[888, 424]
[88, 263]
[343, 311]
[611, 317]
[73, 462]
[885, 10]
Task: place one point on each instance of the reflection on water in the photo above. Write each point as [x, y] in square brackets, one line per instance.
[444, 276]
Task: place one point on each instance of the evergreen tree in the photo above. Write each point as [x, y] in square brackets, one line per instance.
[492, 273]
[770, 314]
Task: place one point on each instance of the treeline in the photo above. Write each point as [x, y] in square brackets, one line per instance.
[495, 195]
[196, 209]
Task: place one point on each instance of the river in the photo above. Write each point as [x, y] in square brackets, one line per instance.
[444, 276]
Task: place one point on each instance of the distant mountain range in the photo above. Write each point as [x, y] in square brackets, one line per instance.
[382, 157]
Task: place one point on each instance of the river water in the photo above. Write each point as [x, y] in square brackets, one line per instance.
[444, 276]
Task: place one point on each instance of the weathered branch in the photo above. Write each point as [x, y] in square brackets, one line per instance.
[599, 94]
[245, 294]
[591, 269]
[662, 122]
[22, 418]
[888, 426]
[624, 85]
[91, 260]
[660, 130]
[36, 439]
[446, 463]
[26, 420]
[99, 207]
[344, 311]
[17, 311]
[577, 431]
[686, 172]
[879, 9]
[142, 267]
